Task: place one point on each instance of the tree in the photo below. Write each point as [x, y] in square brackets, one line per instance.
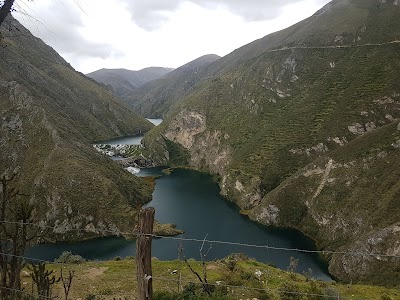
[67, 282]
[202, 279]
[43, 279]
[6, 7]
[15, 215]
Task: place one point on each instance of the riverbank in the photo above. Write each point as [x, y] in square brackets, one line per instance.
[236, 276]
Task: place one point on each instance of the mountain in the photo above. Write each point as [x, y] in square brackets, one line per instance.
[153, 99]
[301, 130]
[123, 81]
[50, 114]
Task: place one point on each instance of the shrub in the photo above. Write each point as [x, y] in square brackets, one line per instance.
[290, 291]
[331, 292]
[90, 297]
[68, 258]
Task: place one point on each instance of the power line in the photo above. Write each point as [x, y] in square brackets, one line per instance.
[277, 290]
[243, 287]
[267, 247]
[32, 259]
[42, 226]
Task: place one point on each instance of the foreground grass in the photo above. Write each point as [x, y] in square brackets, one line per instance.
[233, 278]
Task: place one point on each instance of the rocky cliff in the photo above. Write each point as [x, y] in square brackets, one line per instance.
[302, 130]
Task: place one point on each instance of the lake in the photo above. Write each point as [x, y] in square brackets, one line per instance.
[191, 200]
[130, 139]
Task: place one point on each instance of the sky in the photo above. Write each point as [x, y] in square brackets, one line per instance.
[135, 34]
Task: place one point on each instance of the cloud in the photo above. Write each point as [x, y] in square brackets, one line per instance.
[148, 14]
[151, 14]
[133, 34]
[60, 24]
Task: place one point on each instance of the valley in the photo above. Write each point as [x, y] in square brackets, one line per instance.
[283, 154]
[187, 198]
[300, 128]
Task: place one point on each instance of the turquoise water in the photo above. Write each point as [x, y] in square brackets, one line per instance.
[191, 200]
[130, 139]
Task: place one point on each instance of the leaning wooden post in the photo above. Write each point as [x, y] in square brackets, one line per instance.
[143, 254]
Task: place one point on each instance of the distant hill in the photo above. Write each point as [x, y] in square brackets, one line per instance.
[301, 129]
[123, 81]
[49, 116]
[155, 98]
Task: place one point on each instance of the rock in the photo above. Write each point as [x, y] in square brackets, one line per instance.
[185, 126]
[356, 128]
[268, 215]
[25, 274]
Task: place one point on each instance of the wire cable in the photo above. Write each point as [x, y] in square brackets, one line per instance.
[267, 247]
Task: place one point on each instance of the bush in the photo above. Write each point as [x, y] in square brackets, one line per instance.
[331, 292]
[315, 291]
[231, 264]
[68, 258]
[163, 295]
[290, 291]
[90, 297]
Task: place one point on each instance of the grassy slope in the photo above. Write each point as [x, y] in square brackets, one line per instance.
[123, 81]
[50, 115]
[155, 98]
[116, 279]
[280, 112]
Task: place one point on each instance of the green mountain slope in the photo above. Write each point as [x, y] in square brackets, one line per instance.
[155, 98]
[301, 128]
[123, 81]
[49, 116]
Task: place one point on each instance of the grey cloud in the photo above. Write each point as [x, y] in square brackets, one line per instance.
[60, 27]
[148, 13]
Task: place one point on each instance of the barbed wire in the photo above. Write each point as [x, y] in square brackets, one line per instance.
[267, 247]
[161, 278]
[246, 287]
[25, 292]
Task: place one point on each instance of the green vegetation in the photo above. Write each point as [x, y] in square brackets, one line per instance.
[306, 136]
[178, 155]
[115, 279]
[49, 116]
[154, 98]
[123, 81]
[68, 258]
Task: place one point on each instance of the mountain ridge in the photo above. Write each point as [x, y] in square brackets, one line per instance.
[153, 98]
[123, 81]
[300, 128]
[49, 116]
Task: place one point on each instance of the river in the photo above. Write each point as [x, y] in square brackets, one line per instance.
[191, 200]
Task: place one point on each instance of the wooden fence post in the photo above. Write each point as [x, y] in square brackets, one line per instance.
[143, 254]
